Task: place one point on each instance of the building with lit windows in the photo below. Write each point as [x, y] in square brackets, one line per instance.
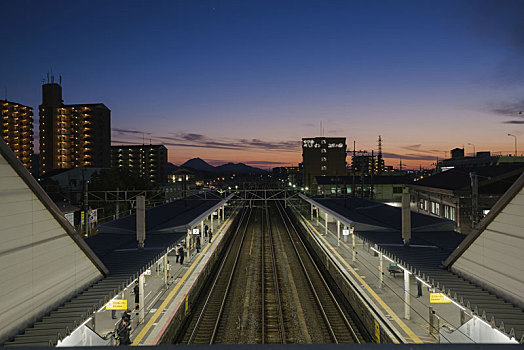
[322, 156]
[148, 161]
[16, 129]
[451, 195]
[72, 136]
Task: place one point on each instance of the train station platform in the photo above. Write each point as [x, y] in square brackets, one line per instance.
[162, 310]
[420, 319]
[84, 319]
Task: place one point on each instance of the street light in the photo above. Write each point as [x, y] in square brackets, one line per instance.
[474, 152]
[515, 142]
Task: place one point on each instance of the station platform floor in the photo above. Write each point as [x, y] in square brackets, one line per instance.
[389, 298]
[161, 307]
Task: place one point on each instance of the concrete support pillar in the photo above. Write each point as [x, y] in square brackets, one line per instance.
[406, 217]
[223, 212]
[353, 258]
[311, 212]
[201, 233]
[165, 264]
[326, 222]
[188, 243]
[381, 269]
[317, 214]
[407, 301]
[141, 298]
[141, 220]
[338, 232]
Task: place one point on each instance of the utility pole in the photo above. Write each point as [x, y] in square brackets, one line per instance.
[117, 204]
[474, 199]
[86, 209]
[372, 174]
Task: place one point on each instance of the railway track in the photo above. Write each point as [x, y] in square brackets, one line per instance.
[204, 325]
[340, 326]
[267, 292]
[272, 320]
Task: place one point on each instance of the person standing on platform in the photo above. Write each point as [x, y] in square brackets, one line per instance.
[177, 252]
[136, 292]
[198, 244]
[181, 252]
[123, 329]
[210, 236]
[206, 229]
[419, 289]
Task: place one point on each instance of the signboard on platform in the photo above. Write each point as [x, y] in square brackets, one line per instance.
[345, 232]
[93, 215]
[147, 272]
[438, 298]
[71, 218]
[196, 231]
[117, 305]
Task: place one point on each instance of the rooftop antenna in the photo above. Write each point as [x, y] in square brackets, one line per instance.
[48, 77]
[60, 79]
[150, 142]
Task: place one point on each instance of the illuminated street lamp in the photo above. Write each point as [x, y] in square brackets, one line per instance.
[515, 142]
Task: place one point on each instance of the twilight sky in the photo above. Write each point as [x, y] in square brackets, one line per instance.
[246, 80]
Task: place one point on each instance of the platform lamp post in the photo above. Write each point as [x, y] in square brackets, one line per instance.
[474, 151]
[515, 141]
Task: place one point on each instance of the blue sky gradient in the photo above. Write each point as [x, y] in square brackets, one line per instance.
[259, 75]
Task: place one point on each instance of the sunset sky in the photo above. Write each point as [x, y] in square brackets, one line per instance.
[244, 81]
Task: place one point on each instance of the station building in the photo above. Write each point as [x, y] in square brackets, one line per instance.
[450, 195]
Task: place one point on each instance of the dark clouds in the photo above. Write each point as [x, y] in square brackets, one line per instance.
[512, 110]
[127, 131]
[410, 156]
[201, 141]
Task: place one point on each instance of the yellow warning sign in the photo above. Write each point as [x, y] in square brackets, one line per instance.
[438, 298]
[117, 305]
[377, 332]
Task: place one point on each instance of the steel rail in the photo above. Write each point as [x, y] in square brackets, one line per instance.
[214, 284]
[229, 280]
[323, 281]
[276, 286]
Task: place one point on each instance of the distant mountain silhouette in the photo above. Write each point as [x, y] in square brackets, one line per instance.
[229, 168]
[198, 164]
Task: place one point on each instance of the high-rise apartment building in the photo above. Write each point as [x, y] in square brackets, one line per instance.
[71, 136]
[148, 161]
[322, 156]
[16, 129]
